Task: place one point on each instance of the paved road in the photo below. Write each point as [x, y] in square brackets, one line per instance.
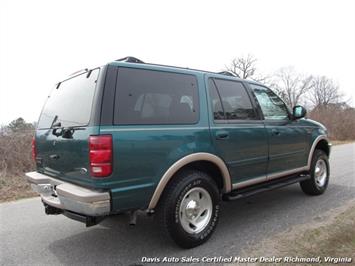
[28, 236]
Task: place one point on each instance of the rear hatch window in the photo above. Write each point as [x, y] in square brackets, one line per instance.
[71, 102]
[68, 106]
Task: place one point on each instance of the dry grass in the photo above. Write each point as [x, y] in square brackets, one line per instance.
[15, 153]
[339, 120]
[14, 188]
[15, 160]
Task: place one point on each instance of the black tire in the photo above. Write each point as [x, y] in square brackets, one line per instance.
[312, 186]
[176, 194]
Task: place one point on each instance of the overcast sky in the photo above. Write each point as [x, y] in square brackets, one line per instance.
[42, 42]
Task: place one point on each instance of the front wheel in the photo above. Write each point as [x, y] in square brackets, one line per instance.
[319, 173]
[189, 208]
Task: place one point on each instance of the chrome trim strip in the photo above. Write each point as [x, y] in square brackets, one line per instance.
[287, 172]
[241, 126]
[200, 156]
[249, 182]
[176, 128]
[151, 129]
[267, 178]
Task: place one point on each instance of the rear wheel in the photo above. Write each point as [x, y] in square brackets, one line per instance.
[319, 172]
[189, 208]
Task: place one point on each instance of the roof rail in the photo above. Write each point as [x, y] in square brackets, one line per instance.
[130, 59]
[79, 72]
[229, 73]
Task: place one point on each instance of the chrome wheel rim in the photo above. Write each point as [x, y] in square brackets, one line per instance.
[320, 172]
[195, 210]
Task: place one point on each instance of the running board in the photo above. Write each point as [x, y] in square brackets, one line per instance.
[265, 186]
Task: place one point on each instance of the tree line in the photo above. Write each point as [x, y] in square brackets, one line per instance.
[319, 94]
[293, 87]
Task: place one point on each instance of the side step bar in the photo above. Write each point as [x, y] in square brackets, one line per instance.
[265, 186]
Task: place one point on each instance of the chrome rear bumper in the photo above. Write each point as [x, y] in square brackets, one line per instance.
[67, 196]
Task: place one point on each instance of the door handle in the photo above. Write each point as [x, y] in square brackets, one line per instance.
[275, 132]
[222, 135]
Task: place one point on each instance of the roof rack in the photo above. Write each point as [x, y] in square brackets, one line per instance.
[130, 59]
[79, 72]
[229, 73]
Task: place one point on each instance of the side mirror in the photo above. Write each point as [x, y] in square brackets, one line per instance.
[299, 112]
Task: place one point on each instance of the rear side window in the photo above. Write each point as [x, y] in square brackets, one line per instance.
[235, 100]
[146, 97]
[218, 113]
[70, 103]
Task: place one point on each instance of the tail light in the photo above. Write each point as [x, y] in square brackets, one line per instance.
[100, 154]
[34, 150]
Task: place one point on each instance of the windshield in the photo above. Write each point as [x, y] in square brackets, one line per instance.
[70, 103]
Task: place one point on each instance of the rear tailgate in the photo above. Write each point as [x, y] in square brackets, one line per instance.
[68, 108]
[65, 158]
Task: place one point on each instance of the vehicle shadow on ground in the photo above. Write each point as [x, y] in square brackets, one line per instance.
[242, 224]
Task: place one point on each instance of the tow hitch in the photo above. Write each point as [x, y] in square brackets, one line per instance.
[50, 210]
[87, 220]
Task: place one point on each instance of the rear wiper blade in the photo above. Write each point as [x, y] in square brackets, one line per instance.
[54, 124]
[65, 132]
[74, 128]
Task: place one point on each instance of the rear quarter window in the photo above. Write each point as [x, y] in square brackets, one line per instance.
[145, 97]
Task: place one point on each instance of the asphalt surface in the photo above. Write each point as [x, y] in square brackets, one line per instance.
[29, 237]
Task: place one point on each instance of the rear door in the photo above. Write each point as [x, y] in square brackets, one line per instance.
[287, 139]
[237, 131]
[70, 104]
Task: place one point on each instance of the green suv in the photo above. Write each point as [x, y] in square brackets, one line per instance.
[169, 141]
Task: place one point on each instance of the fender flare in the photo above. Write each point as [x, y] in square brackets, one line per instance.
[194, 157]
[315, 143]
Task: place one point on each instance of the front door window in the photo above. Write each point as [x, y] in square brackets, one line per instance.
[272, 106]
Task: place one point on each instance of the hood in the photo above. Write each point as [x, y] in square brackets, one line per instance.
[310, 122]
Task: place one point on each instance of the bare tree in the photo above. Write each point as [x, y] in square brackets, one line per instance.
[291, 86]
[324, 92]
[245, 68]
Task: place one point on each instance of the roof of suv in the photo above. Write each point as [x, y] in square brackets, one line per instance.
[150, 66]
